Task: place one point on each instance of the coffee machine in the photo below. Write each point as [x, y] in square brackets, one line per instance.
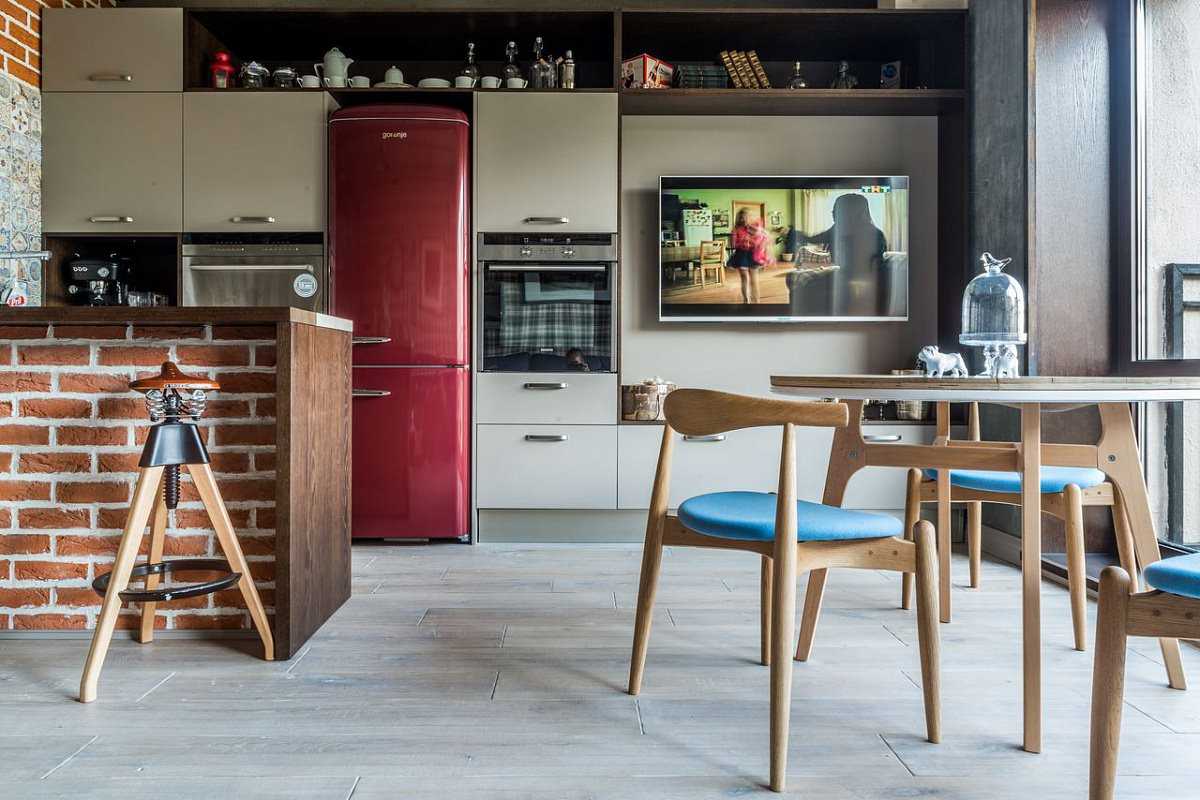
[97, 281]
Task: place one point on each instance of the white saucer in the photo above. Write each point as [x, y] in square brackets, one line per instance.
[435, 83]
[385, 85]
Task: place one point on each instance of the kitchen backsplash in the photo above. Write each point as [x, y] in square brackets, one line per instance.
[20, 185]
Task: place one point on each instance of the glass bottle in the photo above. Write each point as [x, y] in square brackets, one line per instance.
[541, 70]
[566, 72]
[798, 81]
[511, 69]
[470, 70]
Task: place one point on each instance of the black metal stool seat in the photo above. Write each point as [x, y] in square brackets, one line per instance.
[169, 593]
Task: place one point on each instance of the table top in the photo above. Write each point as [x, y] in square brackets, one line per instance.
[169, 315]
[988, 390]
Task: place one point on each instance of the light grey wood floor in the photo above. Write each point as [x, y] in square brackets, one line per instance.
[488, 672]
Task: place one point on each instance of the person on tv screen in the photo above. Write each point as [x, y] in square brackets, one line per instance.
[856, 246]
[749, 254]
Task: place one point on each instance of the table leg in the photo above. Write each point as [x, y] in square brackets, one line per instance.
[1031, 573]
[1120, 460]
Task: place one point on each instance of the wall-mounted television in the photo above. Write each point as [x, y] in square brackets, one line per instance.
[793, 248]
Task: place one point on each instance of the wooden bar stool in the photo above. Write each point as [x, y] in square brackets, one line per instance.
[173, 442]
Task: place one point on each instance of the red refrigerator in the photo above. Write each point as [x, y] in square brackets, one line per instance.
[399, 250]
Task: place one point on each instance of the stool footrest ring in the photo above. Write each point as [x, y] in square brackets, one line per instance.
[168, 593]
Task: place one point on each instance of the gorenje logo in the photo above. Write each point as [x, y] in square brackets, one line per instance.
[395, 135]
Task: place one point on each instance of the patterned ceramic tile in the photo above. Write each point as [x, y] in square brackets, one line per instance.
[20, 185]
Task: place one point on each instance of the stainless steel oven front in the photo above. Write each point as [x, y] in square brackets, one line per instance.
[255, 270]
[546, 302]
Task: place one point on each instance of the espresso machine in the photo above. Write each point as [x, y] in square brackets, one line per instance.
[97, 281]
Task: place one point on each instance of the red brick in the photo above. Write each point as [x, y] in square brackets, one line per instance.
[247, 382]
[264, 355]
[21, 72]
[93, 492]
[211, 355]
[197, 518]
[245, 434]
[230, 462]
[23, 36]
[54, 354]
[224, 409]
[6, 408]
[24, 434]
[186, 545]
[168, 332]
[59, 461]
[243, 332]
[55, 408]
[24, 544]
[265, 407]
[49, 570]
[96, 435]
[262, 570]
[6, 460]
[264, 519]
[122, 408]
[236, 489]
[5, 567]
[49, 622]
[185, 603]
[232, 598]
[5, 519]
[258, 545]
[93, 382]
[111, 518]
[118, 462]
[24, 598]
[145, 356]
[52, 518]
[133, 621]
[23, 331]
[89, 331]
[76, 597]
[5, 622]
[14, 491]
[209, 621]
[86, 545]
[24, 382]
[264, 462]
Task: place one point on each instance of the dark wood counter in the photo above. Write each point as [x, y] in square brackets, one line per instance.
[162, 315]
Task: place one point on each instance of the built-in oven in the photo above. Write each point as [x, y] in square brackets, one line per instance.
[546, 302]
[255, 269]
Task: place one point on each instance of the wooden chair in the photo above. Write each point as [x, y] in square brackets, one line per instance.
[1171, 608]
[712, 257]
[1065, 493]
[812, 536]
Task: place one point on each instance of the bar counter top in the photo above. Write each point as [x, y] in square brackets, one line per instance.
[170, 315]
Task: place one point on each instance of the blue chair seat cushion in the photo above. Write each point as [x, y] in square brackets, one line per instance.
[1054, 479]
[750, 516]
[1178, 575]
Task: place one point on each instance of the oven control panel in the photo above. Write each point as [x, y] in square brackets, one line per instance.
[549, 247]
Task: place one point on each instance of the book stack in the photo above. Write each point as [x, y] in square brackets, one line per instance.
[701, 76]
[745, 69]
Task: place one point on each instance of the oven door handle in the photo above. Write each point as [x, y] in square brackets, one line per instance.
[249, 267]
[546, 220]
[547, 267]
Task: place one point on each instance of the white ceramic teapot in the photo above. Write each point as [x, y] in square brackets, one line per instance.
[334, 65]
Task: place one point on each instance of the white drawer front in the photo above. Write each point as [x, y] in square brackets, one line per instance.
[543, 397]
[546, 466]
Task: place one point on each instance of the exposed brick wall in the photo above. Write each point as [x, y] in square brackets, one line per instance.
[70, 437]
[21, 30]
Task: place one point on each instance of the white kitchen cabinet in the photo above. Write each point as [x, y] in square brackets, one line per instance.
[112, 50]
[539, 397]
[112, 162]
[546, 161]
[546, 466]
[254, 161]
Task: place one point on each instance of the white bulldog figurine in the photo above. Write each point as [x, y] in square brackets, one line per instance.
[938, 364]
[1006, 362]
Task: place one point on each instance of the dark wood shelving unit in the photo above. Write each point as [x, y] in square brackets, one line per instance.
[787, 102]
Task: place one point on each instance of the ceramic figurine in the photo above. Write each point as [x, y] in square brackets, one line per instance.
[1006, 362]
[938, 364]
[844, 79]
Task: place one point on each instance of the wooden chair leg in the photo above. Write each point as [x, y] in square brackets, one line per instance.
[651, 561]
[131, 540]
[1108, 682]
[943, 543]
[927, 628]
[783, 610]
[158, 533]
[1126, 550]
[975, 541]
[812, 612]
[912, 513]
[764, 609]
[206, 486]
[1076, 563]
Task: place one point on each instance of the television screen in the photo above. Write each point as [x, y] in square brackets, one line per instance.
[783, 248]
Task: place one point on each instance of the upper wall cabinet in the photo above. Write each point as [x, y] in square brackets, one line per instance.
[546, 161]
[112, 50]
[112, 162]
[254, 161]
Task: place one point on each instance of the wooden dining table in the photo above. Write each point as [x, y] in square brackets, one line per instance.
[1115, 453]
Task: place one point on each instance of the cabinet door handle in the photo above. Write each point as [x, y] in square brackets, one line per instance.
[547, 220]
[882, 437]
[252, 220]
[109, 77]
[716, 437]
[546, 387]
[104, 218]
[370, 340]
[370, 393]
[545, 437]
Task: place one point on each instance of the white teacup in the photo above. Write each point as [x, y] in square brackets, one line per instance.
[335, 81]
[489, 82]
[516, 83]
[310, 81]
[360, 82]
[464, 82]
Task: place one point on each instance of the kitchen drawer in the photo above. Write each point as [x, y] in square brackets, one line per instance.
[112, 50]
[544, 157]
[578, 398]
[546, 466]
[112, 162]
[272, 177]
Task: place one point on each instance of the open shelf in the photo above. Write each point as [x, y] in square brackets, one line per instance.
[791, 102]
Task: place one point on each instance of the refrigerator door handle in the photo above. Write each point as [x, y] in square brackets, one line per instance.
[370, 393]
[370, 340]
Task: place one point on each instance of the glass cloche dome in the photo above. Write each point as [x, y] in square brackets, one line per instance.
[993, 307]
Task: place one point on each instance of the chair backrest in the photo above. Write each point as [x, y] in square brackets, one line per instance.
[712, 252]
[703, 412]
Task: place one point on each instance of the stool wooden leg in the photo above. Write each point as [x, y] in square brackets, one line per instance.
[764, 610]
[912, 513]
[1076, 563]
[1108, 682]
[206, 485]
[158, 532]
[131, 540]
